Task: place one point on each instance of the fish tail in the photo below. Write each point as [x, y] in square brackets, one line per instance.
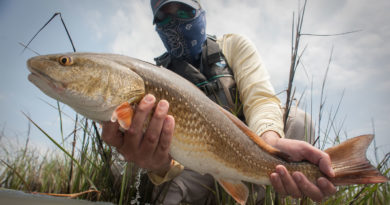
[351, 165]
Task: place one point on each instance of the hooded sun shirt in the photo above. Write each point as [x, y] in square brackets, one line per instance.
[184, 38]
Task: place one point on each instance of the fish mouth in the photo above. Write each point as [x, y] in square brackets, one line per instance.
[37, 77]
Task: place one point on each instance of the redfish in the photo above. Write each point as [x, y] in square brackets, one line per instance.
[206, 139]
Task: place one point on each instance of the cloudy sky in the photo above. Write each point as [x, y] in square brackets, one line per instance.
[360, 66]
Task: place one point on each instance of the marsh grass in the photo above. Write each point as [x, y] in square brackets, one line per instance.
[96, 173]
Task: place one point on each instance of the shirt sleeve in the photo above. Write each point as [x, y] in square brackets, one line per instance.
[262, 109]
[175, 170]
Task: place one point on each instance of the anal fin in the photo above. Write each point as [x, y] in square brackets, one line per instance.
[236, 189]
[123, 114]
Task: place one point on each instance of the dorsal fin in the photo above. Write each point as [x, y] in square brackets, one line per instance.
[256, 139]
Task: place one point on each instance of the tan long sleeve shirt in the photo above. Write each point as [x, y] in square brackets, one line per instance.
[262, 109]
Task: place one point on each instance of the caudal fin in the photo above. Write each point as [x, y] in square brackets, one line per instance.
[351, 165]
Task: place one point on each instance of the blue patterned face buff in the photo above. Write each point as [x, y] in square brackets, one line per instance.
[183, 38]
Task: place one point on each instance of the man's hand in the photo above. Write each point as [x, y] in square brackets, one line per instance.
[298, 185]
[147, 149]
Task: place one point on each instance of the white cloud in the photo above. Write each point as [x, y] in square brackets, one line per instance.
[12, 143]
[383, 86]
[359, 58]
[135, 35]
[93, 19]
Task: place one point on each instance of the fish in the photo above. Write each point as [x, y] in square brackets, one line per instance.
[206, 138]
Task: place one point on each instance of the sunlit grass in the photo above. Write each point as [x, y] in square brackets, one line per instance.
[94, 169]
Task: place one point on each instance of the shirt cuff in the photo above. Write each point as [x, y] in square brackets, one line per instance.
[270, 127]
[175, 170]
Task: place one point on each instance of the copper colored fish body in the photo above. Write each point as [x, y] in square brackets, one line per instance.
[206, 139]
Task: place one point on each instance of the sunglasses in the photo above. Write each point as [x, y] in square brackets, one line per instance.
[183, 12]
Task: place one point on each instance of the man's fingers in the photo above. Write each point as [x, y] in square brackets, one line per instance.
[307, 188]
[326, 186]
[111, 134]
[325, 165]
[319, 158]
[147, 148]
[133, 136]
[165, 138]
[288, 182]
[151, 137]
[277, 184]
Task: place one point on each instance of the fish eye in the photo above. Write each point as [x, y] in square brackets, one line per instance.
[65, 60]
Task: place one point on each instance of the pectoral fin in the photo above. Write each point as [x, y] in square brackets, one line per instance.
[236, 189]
[256, 139]
[123, 114]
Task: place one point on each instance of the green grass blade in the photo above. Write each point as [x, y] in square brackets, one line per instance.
[123, 185]
[61, 128]
[17, 174]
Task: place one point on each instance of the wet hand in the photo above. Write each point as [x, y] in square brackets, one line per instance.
[297, 185]
[147, 149]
